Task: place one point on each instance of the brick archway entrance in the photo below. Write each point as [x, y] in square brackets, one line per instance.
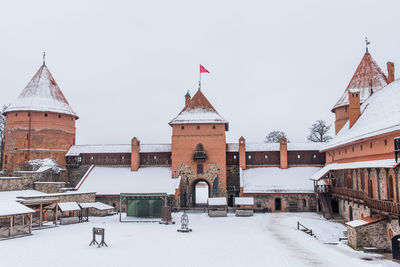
[196, 185]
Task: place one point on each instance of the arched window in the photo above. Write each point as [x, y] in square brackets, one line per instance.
[199, 147]
[199, 168]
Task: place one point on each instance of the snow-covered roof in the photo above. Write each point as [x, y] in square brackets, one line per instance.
[254, 147]
[356, 223]
[42, 94]
[76, 150]
[96, 205]
[277, 180]
[244, 200]
[13, 208]
[199, 110]
[16, 194]
[368, 74]
[216, 201]
[67, 206]
[380, 115]
[385, 163]
[113, 181]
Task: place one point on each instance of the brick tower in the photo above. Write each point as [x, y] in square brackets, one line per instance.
[367, 79]
[199, 147]
[39, 124]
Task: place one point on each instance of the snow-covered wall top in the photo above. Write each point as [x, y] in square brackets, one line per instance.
[276, 180]
[380, 115]
[254, 147]
[121, 148]
[42, 94]
[113, 181]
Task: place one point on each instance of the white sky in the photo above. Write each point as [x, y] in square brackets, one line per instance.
[125, 66]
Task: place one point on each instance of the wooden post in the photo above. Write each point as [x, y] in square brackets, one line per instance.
[56, 215]
[41, 216]
[120, 208]
[11, 225]
[30, 224]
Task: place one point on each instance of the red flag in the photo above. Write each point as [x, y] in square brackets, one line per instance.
[203, 70]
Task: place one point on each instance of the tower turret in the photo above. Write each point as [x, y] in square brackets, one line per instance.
[39, 124]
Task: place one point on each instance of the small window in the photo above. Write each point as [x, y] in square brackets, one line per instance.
[304, 203]
[45, 114]
[29, 114]
[361, 147]
[5, 159]
[339, 151]
[265, 156]
[249, 156]
[182, 127]
[155, 157]
[91, 158]
[123, 157]
[241, 142]
[214, 127]
[234, 156]
[59, 116]
[298, 156]
[16, 114]
[198, 127]
[385, 142]
[27, 136]
[370, 145]
[106, 157]
[314, 156]
[345, 150]
[352, 149]
[199, 168]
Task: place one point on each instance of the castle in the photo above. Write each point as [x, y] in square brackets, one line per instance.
[355, 175]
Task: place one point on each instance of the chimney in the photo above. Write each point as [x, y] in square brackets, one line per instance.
[135, 159]
[390, 70]
[283, 153]
[354, 106]
[242, 153]
[187, 98]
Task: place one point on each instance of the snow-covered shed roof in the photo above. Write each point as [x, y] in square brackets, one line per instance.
[368, 74]
[380, 115]
[199, 110]
[67, 206]
[76, 150]
[113, 181]
[216, 201]
[8, 208]
[42, 94]
[16, 194]
[384, 163]
[244, 200]
[96, 205]
[277, 180]
[254, 147]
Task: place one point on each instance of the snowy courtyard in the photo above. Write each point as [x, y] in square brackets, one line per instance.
[262, 240]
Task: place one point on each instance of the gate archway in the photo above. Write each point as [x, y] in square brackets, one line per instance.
[200, 191]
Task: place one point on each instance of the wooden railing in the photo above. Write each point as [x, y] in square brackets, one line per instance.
[376, 204]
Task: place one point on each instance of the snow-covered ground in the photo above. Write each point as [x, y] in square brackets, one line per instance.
[262, 240]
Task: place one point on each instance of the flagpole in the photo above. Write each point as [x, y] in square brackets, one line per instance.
[199, 78]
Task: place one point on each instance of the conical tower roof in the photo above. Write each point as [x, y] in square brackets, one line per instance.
[199, 110]
[42, 94]
[368, 75]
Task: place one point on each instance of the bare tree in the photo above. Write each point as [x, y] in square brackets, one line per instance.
[2, 124]
[319, 132]
[275, 137]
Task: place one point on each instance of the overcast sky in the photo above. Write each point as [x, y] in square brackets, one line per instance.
[125, 66]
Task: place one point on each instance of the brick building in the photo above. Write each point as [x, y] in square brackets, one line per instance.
[39, 124]
[361, 177]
